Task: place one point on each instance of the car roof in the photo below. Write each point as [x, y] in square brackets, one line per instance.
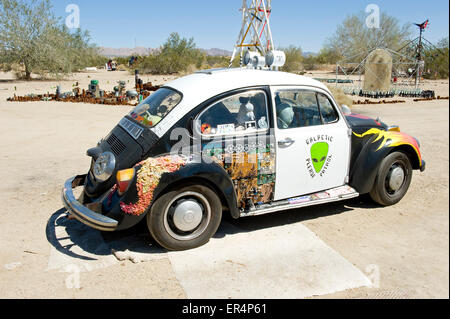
[204, 85]
[209, 83]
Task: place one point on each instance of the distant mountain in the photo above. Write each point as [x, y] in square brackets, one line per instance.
[125, 52]
[308, 54]
[218, 52]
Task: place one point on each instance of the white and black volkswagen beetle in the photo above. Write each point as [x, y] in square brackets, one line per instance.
[242, 141]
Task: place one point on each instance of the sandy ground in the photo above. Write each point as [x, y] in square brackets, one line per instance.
[43, 143]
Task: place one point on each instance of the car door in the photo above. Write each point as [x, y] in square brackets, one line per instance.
[312, 142]
[235, 131]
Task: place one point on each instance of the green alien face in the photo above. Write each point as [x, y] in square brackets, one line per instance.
[319, 153]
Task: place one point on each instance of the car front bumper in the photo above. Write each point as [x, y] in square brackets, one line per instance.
[82, 213]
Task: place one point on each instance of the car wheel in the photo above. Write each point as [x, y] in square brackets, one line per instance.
[185, 218]
[393, 179]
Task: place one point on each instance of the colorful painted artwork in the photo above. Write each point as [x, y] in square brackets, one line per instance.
[391, 139]
[340, 191]
[299, 200]
[148, 179]
[251, 167]
[226, 129]
[323, 195]
[319, 153]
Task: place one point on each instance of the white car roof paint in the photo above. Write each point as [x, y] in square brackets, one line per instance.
[201, 86]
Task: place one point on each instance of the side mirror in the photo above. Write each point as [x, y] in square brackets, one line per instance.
[345, 109]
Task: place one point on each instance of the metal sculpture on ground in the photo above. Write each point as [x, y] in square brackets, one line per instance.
[94, 95]
[371, 76]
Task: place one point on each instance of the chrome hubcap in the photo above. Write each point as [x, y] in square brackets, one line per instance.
[396, 178]
[188, 215]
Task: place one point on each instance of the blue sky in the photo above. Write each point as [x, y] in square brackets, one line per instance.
[216, 24]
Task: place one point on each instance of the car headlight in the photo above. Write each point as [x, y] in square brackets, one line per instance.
[104, 166]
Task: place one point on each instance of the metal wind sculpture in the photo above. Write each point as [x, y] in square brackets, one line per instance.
[421, 62]
[255, 34]
[419, 48]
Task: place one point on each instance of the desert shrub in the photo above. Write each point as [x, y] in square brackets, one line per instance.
[6, 67]
[123, 60]
[339, 95]
[123, 67]
[294, 59]
[174, 56]
[310, 63]
[153, 64]
[327, 56]
[217, 61]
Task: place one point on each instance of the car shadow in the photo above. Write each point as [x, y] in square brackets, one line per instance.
[76, 240]
[293, 216]
[64, 234]
[59, 219]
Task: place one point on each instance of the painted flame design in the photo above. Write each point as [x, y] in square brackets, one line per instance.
[392, 139]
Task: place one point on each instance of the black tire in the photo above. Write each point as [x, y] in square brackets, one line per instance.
[167, 210]
[383, 193]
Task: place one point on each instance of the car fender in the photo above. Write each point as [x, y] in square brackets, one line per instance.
[205, 172]
[377, 144]
[173, 171]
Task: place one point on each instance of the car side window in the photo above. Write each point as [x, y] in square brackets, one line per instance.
[329, 113]
[297, 108]
[244, 112]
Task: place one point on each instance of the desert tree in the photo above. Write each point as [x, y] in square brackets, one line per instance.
[32, 37]
[23, 29]
[437, 60]
[354, 39]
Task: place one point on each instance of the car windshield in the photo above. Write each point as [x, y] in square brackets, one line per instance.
[156, 107]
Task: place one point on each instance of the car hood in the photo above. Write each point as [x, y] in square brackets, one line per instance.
[358, 122]
[128, 149]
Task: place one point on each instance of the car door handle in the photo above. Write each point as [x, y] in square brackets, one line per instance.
[286, 142]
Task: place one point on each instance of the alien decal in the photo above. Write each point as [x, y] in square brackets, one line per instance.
[319, 154]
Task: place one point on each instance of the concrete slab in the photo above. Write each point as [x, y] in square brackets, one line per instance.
[281, 262]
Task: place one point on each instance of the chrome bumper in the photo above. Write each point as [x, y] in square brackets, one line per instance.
[80, 212]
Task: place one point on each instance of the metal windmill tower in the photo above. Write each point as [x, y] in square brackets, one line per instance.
[255, 33]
